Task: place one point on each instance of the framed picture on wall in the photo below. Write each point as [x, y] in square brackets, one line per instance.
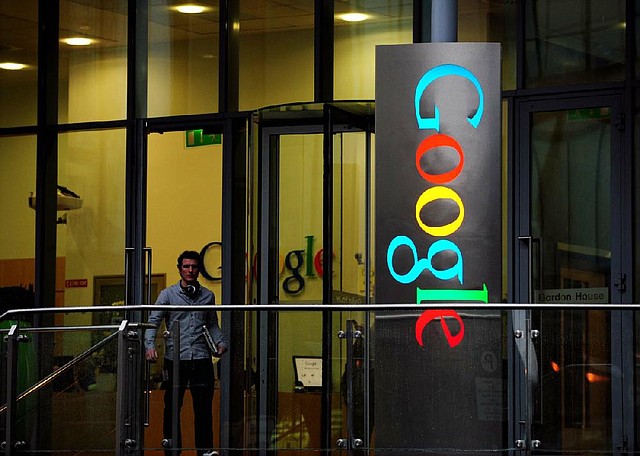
[109, 291]
[308, 371]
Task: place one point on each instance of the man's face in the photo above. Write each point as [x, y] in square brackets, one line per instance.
[189, 270]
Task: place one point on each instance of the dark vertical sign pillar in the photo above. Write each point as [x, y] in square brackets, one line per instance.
[438, 240]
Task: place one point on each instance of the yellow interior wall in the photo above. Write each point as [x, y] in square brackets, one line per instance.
[355, 47]
[184, 202]
[17, 181]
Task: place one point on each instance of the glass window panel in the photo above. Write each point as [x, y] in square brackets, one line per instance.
[571, 210]
[300, 217]
[91, 235]
[183, 59]
[17, 231]
[93, 75]
[491, 22]
[382, 22]
[91, 177]
[18, 45]
[574, 41]
[276, 52]
[184, 188]
[349, 243]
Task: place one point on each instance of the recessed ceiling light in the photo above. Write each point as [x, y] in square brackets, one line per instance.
[354, 17]
[190, 9]
[78, 41]
[12, 66]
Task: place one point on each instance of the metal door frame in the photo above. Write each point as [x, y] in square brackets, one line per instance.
[621, 321]
[236, 144]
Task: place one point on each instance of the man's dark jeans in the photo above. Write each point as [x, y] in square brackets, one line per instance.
[197, 375]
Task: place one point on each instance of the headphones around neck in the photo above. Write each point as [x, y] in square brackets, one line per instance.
[191, 290]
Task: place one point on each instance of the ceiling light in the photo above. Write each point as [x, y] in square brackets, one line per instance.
[354, 17]
[190, 9]
[12, 66]
[78, 41]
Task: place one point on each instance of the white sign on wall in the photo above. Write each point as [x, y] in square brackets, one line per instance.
[598, 295]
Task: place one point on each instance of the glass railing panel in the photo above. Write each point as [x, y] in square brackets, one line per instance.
[66, 390]
[345, 380]
[574, 376]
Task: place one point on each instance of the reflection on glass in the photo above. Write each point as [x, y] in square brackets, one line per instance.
[183, 59]
[356, 37]
[570, 223]
[574, 41]
[572, 397]
[491, 22]
[276, 53]
[18, 47]
[93, 61]
[571, 213]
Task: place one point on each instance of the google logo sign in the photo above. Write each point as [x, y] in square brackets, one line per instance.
[443, 238]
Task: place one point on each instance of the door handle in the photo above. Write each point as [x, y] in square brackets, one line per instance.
[148, 252]
[529, 240]
[128, 251]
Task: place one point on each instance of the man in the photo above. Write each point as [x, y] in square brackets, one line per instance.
[196, 368]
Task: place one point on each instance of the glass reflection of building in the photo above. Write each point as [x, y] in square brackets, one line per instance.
[165, 130]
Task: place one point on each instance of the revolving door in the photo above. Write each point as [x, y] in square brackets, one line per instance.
[311, 197]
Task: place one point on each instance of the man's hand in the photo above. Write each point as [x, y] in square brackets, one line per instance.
[151, 354]
[221, 349]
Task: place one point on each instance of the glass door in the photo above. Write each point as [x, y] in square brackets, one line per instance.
[312, 182]
[196, 200]
[570, 252]
[350, 139]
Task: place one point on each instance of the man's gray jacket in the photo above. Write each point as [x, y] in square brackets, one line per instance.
[192, 342]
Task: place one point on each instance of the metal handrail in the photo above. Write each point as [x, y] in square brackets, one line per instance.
[317, 307]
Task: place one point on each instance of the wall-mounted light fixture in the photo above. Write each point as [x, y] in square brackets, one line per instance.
[67, 200]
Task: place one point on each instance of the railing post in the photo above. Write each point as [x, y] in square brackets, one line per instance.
[175, 399]
[125, 443]
[12, 390]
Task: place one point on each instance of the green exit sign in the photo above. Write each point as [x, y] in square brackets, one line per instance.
[195, 138]
[589, 113]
